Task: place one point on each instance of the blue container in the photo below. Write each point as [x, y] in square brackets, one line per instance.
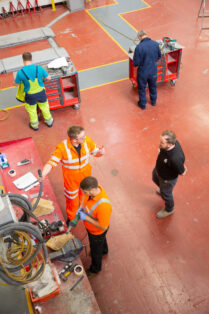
[3, 161]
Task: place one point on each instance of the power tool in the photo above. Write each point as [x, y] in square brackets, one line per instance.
[73, 223]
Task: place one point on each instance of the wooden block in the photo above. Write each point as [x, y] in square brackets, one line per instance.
[56, 243]
[44, 207]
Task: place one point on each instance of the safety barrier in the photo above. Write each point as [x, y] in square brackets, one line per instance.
[20, 9]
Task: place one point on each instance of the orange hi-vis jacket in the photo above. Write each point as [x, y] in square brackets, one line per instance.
[99, 208]
[74, 169]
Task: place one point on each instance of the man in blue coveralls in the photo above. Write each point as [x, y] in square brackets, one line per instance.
[31, 76]
[146, 54]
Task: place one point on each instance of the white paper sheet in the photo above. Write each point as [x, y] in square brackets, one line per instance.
[26, 182]
[58, 63]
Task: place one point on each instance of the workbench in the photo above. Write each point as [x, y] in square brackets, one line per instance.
[16, 151]
[81, 299]
[168, 67]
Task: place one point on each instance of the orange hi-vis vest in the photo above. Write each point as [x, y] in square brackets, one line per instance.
[74, 166]
[100, 209]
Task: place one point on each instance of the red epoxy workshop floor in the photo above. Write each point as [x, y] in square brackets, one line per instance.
[154, 266]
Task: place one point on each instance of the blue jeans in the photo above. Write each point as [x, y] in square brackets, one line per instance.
[166, 189]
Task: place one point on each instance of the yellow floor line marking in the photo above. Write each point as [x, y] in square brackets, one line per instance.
[13, 107]
[127, 78]
[127, 21]
[120, 15]
[105, 5]
[104, 65]
[96, 67]
[29, 302]
[148, 6]
[93, 18]
[7, 88]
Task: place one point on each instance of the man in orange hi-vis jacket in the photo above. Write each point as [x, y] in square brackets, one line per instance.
[73, 153]
[96, 213]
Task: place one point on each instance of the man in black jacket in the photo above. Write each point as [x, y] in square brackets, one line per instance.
[169, 164]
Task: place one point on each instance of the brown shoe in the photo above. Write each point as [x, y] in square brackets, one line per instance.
[163, 213]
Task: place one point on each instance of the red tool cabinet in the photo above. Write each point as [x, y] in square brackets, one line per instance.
[63, 89]
[168, 67]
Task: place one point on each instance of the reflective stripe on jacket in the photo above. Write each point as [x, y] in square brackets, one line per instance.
[68, 156]
[91, 210]
[100, 208]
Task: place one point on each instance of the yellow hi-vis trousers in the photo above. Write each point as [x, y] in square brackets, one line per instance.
[32, 111]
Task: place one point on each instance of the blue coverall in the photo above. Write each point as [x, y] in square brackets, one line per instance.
[146, 54]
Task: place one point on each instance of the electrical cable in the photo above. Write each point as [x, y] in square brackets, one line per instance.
[22, 254]
[23, 203]
[40, 191]
[135, 40]
[23, 262]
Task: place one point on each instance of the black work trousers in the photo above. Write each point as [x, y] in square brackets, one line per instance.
[98, 246]
[166, 189]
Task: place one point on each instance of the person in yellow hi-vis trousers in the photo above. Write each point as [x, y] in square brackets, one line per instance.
[31, 76]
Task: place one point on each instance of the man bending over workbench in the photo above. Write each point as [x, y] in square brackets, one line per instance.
[96, 217]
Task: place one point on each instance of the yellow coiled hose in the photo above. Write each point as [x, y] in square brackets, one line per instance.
[23, 262]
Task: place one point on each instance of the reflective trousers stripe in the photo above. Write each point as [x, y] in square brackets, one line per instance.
[71, 192]
[49, 121]
[34, 124]
[70, 197]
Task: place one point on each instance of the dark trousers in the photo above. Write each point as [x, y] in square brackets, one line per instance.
[142, 80]
[166, 190]
[98, 246]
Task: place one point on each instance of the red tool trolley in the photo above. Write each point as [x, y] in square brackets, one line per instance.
[63, 89]
[168, 67]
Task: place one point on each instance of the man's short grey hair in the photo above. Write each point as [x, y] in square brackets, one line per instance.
[141, 33]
